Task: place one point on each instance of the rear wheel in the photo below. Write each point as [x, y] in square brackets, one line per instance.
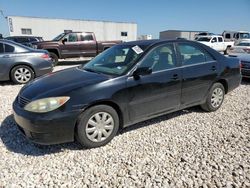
[54, 58]
[97, 126]
[22, 74]
[215, 98]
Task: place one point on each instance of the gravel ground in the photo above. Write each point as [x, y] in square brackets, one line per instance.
[188, 148]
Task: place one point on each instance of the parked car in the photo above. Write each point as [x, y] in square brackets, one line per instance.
[236, 36]
[126, 84]
[21, 64]
[241, 48]
[216, 42]
[74, 44]
[25, 40]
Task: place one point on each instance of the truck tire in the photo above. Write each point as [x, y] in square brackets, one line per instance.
[54, 58]
[226, 51]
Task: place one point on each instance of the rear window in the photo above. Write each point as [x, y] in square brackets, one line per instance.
[9, 48]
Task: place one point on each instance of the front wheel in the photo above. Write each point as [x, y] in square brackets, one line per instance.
[97, 126]
[215, 98]
[226, 51]
[54, 58]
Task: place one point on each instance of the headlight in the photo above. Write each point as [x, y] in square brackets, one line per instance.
[46, 104]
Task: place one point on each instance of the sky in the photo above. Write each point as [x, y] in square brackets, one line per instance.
[151, 16]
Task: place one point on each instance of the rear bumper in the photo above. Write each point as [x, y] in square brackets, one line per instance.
[45, 129]
[234, 82]
[44, 70]
[245, 73]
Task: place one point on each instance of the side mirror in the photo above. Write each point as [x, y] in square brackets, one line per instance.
[64, 40]
[142, 71]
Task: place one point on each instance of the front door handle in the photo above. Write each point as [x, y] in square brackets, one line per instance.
[213, 68]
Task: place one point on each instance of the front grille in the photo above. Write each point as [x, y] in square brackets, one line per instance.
[22, 101]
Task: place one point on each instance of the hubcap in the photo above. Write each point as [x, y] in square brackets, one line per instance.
[22, 75]
[99, 127]
[217, 97]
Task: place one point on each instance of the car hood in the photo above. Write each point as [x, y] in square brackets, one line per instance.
[61, 82]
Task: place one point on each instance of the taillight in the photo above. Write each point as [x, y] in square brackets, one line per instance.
[247, 50]
[45, 56]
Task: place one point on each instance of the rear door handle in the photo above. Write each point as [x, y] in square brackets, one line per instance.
[213, 68]
[175, 77]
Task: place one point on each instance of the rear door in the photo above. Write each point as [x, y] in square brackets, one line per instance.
[199, 71]
[6, 59]
[88, 45]
[159, 91]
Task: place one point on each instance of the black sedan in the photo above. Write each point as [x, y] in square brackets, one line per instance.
[125, 84]
[21, 64]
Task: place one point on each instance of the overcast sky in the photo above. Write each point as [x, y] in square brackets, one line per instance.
[151, 16]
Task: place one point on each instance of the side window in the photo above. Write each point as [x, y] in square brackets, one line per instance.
[220, 39]
[1, 48]
[214, 39]
[160, 58]
[72, 37]
[192, 55]
[86, 37]
[9, 49]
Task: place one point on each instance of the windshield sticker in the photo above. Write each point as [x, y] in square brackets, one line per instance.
[137, 49]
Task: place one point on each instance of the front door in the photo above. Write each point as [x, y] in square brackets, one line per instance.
[199, 71]
[159, 91]
[70, 47]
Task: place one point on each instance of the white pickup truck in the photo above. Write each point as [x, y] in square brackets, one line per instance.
[216, 42]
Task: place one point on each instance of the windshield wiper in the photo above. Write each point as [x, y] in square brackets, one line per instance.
[90, 70]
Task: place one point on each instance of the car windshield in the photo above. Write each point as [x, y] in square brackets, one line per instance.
[245, 35]
[59, 37]
[116, 60]
[204, 39]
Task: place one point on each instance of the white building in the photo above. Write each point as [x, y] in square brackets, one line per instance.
[49, 28]
[173, 34]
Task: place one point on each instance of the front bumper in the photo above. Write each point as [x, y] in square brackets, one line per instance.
[46, 128]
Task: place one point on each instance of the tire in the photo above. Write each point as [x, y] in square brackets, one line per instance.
[22, 74]
[54, 58]
[226, 51]
[215, 98]
[90, 134]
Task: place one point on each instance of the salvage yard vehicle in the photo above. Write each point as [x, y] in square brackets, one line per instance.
[21, 64]
[25, 40]
[236, 36]
[74, 44]
[126, 84]
[242, 47]
[216, 42]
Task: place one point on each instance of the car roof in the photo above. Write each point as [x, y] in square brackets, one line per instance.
[23, 37]
[152, 42]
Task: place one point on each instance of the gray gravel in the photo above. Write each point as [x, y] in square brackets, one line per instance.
[188, 148]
